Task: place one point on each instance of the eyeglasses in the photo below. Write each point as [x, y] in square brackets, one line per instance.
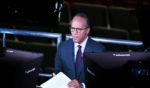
[73, 29]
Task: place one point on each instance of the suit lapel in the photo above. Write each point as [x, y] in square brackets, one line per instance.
[88, 48]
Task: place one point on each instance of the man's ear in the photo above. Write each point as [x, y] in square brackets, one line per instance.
[88, 32]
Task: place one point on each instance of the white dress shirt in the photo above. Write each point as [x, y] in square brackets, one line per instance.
[83, 44]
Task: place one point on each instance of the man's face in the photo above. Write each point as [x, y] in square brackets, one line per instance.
[79, 29]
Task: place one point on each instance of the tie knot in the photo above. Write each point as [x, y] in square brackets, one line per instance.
[79, 46]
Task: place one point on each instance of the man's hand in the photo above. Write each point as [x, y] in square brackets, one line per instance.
[74, 84]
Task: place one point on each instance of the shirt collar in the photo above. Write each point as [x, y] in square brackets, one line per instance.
[83, 43]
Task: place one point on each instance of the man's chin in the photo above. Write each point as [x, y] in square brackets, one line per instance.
[75, 41]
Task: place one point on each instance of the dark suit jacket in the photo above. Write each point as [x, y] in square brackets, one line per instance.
[64, 60]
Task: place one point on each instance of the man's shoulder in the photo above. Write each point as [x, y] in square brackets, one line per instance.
[67, 42]
[96, 44]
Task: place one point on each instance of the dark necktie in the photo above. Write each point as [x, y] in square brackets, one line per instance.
[78, 58]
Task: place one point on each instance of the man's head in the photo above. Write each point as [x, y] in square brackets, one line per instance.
[80, 27]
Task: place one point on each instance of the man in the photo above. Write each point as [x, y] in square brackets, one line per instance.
[67, 53]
